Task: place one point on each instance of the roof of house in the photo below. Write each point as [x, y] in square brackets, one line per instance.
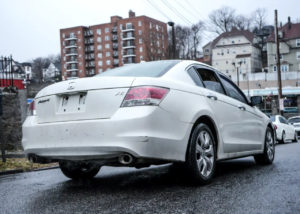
[289, 33]
[232, 33]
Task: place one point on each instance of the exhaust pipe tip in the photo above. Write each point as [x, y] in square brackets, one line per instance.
[125, 159]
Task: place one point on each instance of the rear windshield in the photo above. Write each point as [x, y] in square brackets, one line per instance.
[272, 118]
[144, 69]
[294, 120]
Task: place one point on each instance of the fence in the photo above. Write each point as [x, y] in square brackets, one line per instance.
[6, 72]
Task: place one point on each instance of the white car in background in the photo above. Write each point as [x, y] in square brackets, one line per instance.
[284, 131]
[295, 121]
[158, 112]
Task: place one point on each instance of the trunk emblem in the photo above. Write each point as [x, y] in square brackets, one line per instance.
[71, 86]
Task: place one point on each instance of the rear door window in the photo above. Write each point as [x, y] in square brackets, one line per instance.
[195, 76]
[210, 80]
[232, 90]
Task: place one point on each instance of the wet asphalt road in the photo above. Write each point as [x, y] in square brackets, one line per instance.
[240, 186]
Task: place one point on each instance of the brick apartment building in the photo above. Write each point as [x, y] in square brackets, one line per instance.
[87, 51]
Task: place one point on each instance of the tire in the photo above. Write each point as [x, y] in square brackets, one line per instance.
[282, 137]
[78, 170]
[269, 149]
[201, 155]
[295, 140]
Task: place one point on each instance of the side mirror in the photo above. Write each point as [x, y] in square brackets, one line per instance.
[255, 100]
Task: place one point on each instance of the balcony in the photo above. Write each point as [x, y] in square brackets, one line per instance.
[128, 47]
[90, 65]
[88, 41]
[115, 54]
[72, 53]
[129, 55]
[114, 38]
[72, 74]
[70, 38]
[88, 33]
[114, 30]
[89, 49]
[128, 38]
[90, 57]
[128, 29]
[72, 69]
[115, 46]
[72, 62]
[71, 46]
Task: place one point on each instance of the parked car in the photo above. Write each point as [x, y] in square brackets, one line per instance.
[284, 131]
[158, 112]
[295, 121]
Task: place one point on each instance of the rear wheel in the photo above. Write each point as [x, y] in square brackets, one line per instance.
[201, 155]
[283, 137]
[269, 149]
[78, 170]
[295, 137]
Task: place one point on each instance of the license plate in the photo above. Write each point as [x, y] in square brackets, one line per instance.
[72, 103]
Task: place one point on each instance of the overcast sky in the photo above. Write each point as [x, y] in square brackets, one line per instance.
[30, 28]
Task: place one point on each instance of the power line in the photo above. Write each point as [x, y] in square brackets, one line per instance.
[155, 7]
[176, 12]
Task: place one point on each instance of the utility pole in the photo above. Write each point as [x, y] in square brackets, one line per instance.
[171, 24]
[280, 100]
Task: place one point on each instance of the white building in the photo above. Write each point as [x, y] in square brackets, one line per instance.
[50, 73]
[234, 52]
[28, 70]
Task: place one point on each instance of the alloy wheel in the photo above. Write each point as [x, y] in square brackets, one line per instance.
[205, 153]
[270, 145]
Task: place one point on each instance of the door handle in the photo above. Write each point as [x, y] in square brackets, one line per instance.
[242, 108]
[212, 97]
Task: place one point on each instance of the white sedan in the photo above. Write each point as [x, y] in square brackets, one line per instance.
[295, 121]
[284, 130]
[159, 112]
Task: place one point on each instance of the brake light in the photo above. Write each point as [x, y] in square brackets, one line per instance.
[145, 95]
[31, 109]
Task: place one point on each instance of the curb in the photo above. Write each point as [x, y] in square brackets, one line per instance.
[15, 171]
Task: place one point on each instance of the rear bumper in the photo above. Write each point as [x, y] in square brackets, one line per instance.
[144, 132]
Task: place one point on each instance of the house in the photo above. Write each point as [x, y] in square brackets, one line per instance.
[233, 52]
[206, 54]
[52, 73]
[289, 48]
[28, 70]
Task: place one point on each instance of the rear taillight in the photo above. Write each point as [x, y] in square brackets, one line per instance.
[31, 109]
[275, 127]
[144, 95]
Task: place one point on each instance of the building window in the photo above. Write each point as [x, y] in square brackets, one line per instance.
[297, 42]
[100, 70]
[157, 27]
[140, 23]
[107, 54]
[98, 31]
[141, 49]
[274, 68]
[228, 51]
[141, 58]
[106, 30]
[99, 47]
[140, 41]
[78, 32]
[72, 35]
[280, 56]
[298, 55]
[140, 32]
[150, 25]
[284, 68]
[157, 43]
[107, 46]
[121, 26]
[100, 55]
[128, 25]
[63, 35]
[107, 62]
[100, 63]
[99, 39]
[232, 41]
[106, 38]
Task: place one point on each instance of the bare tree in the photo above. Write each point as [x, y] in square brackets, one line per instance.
[259, 18]
[222, 20]
[196, 31]
[243, 23]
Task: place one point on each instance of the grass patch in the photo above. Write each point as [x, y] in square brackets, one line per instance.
[22, 164]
